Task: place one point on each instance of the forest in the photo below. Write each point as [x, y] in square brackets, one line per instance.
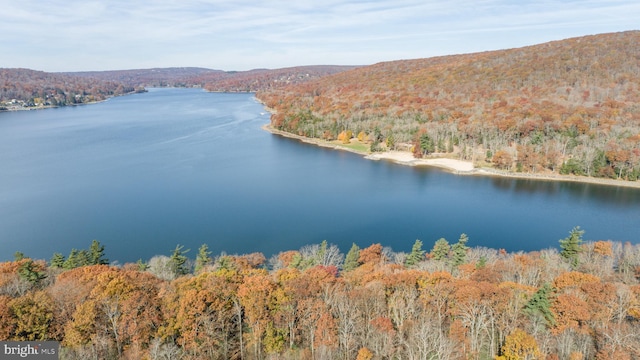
[29, 89]
[217, 80]
[24, 88]
[447, 300]
[569, 107]
[265, 79]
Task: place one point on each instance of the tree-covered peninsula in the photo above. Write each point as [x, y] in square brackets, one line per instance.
[565, 107]
[441, 300]
[22, 89]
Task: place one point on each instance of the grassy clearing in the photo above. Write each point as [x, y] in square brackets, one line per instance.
[356, 146]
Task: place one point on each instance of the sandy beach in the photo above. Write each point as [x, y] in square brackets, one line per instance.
[455, 166]
[406, 158]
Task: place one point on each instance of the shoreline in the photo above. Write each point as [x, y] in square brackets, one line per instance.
[454, 166]
[44, 107]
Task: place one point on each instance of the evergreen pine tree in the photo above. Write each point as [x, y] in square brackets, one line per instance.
[416, 255]
[459, 251]
[57, 261]
[426, 144]
[440, 249]
[540, 304]
[351, 260]
[28, 271]
[72, 261]
[571, 246]
[18, 255]
[203, 258]
[178, 261]
[96, 254]
[83, 258]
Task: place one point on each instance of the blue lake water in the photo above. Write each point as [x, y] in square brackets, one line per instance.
[143, 173]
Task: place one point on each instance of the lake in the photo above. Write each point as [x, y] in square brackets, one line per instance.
[143, 173]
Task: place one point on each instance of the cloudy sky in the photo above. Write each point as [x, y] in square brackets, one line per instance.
[79, 35]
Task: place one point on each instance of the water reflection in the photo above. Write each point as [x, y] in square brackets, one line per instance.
[602, 194]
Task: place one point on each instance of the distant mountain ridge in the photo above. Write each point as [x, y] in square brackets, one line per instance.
[32, 88]
[155, 77]
[217, 80]
[570, 106]
[266, 79]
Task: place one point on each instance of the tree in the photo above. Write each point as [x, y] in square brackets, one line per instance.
[416, 255]
[440, 249]
[603, 248]
[178, 261]
[83, 258]
[570, 311]
[459, 251]
[57, 261]
[31, 272]
[325, 255]
[322, 254]
[540, 304]
[364, 354]
[203, 258]
[96, 254]
[502, 159]
[122, 311]
[73, 260]
[7, 318]
[426, 144]
[255, 295]
[160, 266]
[520, 346]
[351, 260]
[571, 246]
[34, 315]
[141, 265]
[204, 318]
[372, 254]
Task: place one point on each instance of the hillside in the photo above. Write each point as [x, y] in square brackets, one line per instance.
[265, 79]
[217, 80]
[24, 88]
[156, 77]
[570, 107]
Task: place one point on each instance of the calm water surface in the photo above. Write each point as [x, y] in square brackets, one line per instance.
[143, 173]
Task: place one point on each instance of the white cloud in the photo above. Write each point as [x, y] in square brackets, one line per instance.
[71, 35]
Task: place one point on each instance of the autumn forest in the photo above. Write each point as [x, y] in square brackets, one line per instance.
[451, 301]
[567, 107]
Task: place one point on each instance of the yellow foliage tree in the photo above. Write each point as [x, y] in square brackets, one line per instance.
[364, 354]
[603, 248]
[520, 346]
[33, 316]
[345, 136]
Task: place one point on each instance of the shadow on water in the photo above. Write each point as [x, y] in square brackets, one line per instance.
[577, 191]
[603, 194]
